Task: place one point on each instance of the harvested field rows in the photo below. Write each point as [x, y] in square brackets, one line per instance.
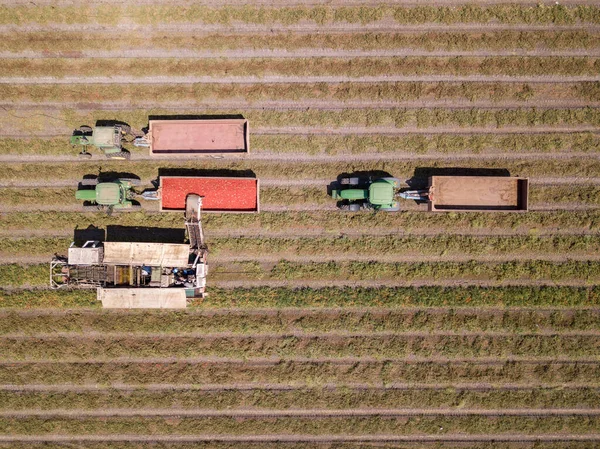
[322, 328]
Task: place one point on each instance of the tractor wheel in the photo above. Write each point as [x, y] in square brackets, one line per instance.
[85, 155]
[93, 208]
[121, 155]
[132, 181]
[89, 181]
[354, 207]
[85, 129]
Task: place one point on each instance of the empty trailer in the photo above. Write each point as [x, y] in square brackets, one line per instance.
[473, 193]
[478, 193]
[197, 137]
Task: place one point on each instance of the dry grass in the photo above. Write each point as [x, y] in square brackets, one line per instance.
[303, 67]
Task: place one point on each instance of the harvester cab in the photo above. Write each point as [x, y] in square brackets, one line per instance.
[109, 139]
[356, 193]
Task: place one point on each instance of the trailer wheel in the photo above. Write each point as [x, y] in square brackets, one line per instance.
[121, 155]
[89, 181]
[132, 181]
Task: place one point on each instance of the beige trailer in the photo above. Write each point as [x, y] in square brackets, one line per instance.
[197, 137]
[478, 193]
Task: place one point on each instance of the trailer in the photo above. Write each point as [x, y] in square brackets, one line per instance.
[139, 275]
[473, 193]
[219, 194]
[196, 137]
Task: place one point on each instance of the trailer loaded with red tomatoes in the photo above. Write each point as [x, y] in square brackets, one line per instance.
[219, 194]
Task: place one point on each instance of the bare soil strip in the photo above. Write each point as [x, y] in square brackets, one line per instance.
[292, 79]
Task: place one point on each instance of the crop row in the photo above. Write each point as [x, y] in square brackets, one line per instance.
[299, 372]
[64, 43]
[563, 143]
[286, 346]
[289, 196]
[300, 442]
[149, 170]
[515, 320]
[321, 14]
[327, 222]
[366, 246]
[194, 93]
[353, 67]
[374, 424]
[342, 397]
[430, 272]
[392, 297]
[538, 195]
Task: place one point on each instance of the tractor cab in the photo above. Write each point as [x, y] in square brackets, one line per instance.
[378, 194]
[108, 139]
[105, 194]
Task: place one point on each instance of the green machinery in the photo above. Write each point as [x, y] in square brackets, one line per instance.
[109, 139]
[356, 193]
[117, 195]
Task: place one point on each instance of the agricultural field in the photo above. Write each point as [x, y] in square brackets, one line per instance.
[322, 328]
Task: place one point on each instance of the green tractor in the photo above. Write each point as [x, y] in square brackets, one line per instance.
[108, 196]
[109, 139]
[356, 193]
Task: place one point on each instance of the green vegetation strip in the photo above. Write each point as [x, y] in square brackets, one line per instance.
[531, 270]
[322, 15]
[299, 372]
[65, 43]
[563, 143]
[318, 170]
[323, 66]
[333, 222]
[393, 297]
[373, 246]
[417, 425]
[293, 346]
[255, 92]
[322, 398]
[282, 320]
[269, 196]
[432, 272]
[538, 194]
